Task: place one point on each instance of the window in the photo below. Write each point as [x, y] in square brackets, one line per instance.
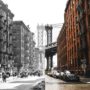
[4, 47]
[88, 20]
[14, 37]
[88, 4]
[73, 2]
[5, 36]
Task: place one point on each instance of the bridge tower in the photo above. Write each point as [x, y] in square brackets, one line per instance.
[51, 48]
[49, 57]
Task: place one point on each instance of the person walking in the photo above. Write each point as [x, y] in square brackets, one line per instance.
[4, 76]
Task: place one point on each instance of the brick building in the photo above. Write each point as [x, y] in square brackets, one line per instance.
[61, 49]
[20, 44]
[23, 46]
[6, 53]
[32, 47]
[77, 25]
[32, 52]
[73, 39]
[36, 61]
[26, 48]
[77, 35]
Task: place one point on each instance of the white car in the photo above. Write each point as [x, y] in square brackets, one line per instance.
[68, 76]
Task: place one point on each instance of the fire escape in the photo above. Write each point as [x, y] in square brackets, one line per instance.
[83, 59]
[3, 42]
[1, 39]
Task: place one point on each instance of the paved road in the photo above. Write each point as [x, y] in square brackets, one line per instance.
[50, 84]
[55, 84]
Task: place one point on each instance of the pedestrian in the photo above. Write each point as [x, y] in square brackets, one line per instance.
[4, 76]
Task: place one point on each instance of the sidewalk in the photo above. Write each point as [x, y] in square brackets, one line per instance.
[85, 80]
[8, 79]
[16, 83]
[29, 78]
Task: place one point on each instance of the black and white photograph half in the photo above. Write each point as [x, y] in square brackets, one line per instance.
[44, 44]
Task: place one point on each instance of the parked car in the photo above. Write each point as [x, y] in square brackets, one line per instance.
[61, 75]
[54, 73]
[57, 74]
[8, 74]
[14, 74]
[49, 74]
[68, 76]
[23, 74]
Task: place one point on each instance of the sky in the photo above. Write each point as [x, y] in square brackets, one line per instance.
[33, 12]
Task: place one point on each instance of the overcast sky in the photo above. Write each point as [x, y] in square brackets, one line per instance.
[33, 12]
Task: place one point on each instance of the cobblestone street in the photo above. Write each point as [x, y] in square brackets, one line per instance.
[55, 84]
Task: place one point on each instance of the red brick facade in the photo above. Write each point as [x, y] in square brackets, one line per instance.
[61, 49]
[87, 4]
[72, 31]
[77, 28]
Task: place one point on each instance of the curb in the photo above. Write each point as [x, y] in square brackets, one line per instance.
[85, 80]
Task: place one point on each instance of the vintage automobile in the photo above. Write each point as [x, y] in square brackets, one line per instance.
[68, 76]
[8, 74]
[49, 74]
[23, 74]
[61, 75]
[57, 74]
